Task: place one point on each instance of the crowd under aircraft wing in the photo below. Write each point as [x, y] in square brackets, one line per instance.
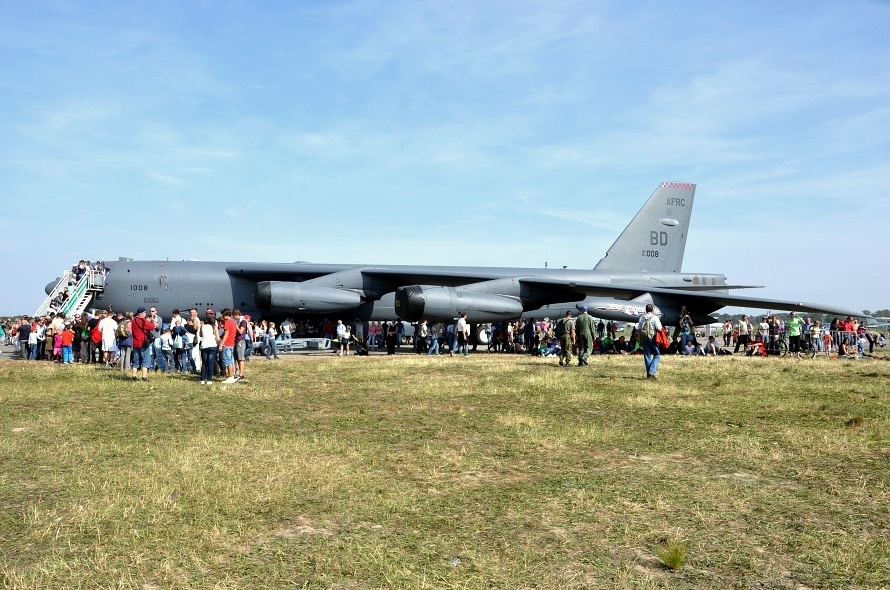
[642, 266]
[628, 302]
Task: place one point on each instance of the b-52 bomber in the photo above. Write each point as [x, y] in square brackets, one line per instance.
[642, 266]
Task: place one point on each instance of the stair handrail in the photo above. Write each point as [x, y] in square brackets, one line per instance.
[60, 285]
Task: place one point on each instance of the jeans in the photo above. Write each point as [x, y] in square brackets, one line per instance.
[208, 363]
[434, 345]
[67, 355]
[165, 361]
[684, 338]
[651, 355]
[271, 347]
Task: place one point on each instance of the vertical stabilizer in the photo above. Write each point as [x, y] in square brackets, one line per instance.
[655, 240]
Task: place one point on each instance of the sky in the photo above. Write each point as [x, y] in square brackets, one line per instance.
[447, 133]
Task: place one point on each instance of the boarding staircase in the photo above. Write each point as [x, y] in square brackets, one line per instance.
[91, 284]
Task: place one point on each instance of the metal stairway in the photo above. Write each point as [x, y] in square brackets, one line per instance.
[90, 284]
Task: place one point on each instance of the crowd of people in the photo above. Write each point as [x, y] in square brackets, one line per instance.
[846, 337]
[218, 346]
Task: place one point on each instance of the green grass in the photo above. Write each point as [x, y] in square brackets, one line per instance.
[673, 554]
[487, 472]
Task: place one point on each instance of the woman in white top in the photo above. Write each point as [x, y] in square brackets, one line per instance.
[271, 342]
[343, 337]
[208, 334]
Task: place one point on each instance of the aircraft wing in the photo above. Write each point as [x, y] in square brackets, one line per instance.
[705, 301]
[394, 274]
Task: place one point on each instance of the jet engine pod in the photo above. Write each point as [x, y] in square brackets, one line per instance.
[303, 298]
[416, 302]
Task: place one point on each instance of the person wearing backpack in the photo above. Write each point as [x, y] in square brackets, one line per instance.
[141, 329]
[648, 325]
[565, 330]
[125, 341]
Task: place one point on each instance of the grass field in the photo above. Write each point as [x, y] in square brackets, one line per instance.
[415, 472]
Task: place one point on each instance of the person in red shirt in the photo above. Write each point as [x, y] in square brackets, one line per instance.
[141, 329]
[227, 345]
[67, 345]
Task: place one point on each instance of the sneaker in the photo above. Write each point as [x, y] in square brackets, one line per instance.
[241, 378]
[230, 380]
[202, 382]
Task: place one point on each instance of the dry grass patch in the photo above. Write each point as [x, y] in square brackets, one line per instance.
[416, 472]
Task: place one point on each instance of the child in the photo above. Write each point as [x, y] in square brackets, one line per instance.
[57, 346]
[67, 340]
[167, 349]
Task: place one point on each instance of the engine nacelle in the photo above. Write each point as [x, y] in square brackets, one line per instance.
[418, 302]
[301, 298]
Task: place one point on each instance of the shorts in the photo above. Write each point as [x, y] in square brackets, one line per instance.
[240, 350]
[227, 358]
[141, 358]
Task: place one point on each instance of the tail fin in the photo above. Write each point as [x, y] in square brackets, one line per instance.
[655, 240]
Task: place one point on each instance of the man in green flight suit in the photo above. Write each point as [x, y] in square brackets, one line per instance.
[584, 334]
[565, 329]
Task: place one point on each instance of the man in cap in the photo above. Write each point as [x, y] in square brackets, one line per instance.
[584, 334]
[141, 329]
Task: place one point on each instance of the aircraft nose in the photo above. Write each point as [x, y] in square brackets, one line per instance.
[50, 286]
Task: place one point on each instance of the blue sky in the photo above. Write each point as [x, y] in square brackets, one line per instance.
[481, 133]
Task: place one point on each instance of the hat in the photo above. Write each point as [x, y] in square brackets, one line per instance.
[210, 311]
[583, 308]
[141, 310]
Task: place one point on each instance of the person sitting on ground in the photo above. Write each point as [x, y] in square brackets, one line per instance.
[620, 346]
[608, 344]
[674, 346]
[756, 347]
[553, 348]
[844, 349]
[711, 347]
